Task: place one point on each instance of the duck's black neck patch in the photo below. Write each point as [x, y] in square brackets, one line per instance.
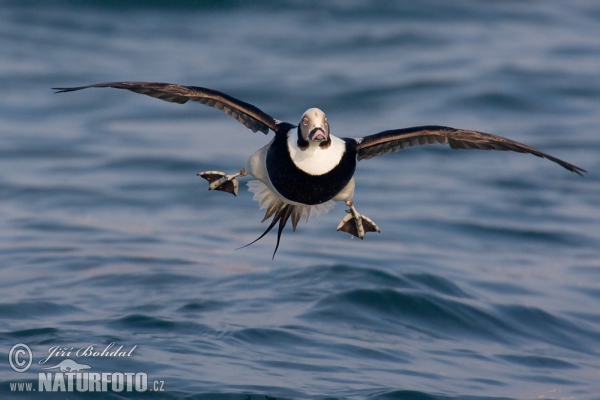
[325, 143]
[302, 143]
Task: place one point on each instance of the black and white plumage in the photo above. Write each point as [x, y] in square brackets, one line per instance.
[304, 168]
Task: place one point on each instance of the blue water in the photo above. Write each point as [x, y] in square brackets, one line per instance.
[483, 283]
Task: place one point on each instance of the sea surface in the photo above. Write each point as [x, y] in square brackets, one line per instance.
[483, 283]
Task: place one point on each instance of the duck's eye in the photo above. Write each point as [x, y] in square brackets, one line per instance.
[305, 121]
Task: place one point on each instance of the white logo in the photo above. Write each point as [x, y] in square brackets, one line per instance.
[67, 375]
[20, 357]
[69, 366]
[91, 381]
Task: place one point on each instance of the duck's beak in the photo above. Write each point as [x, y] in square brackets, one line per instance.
[317, 135]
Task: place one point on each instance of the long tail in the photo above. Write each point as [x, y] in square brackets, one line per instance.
[282, 212]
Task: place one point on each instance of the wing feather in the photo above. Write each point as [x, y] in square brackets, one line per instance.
[398, 139]
[247, 114]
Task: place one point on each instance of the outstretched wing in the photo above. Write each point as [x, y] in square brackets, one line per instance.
[398, 139]
[252, 117]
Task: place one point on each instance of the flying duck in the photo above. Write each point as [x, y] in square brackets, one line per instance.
[305, 168]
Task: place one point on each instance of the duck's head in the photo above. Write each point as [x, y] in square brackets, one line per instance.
[313, 128]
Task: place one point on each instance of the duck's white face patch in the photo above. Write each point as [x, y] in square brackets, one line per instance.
[316, 160]
[314, 127]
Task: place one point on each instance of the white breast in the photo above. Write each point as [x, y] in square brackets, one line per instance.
[316, 160]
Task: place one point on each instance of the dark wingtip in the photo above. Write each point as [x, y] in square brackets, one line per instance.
[580, 171]
[64, 90]
[573, 168]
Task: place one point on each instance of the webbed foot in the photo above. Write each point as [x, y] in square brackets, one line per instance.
[355, 223]
[220, 181]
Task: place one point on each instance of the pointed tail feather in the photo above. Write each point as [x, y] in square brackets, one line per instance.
[283, 213]
[287, 211]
